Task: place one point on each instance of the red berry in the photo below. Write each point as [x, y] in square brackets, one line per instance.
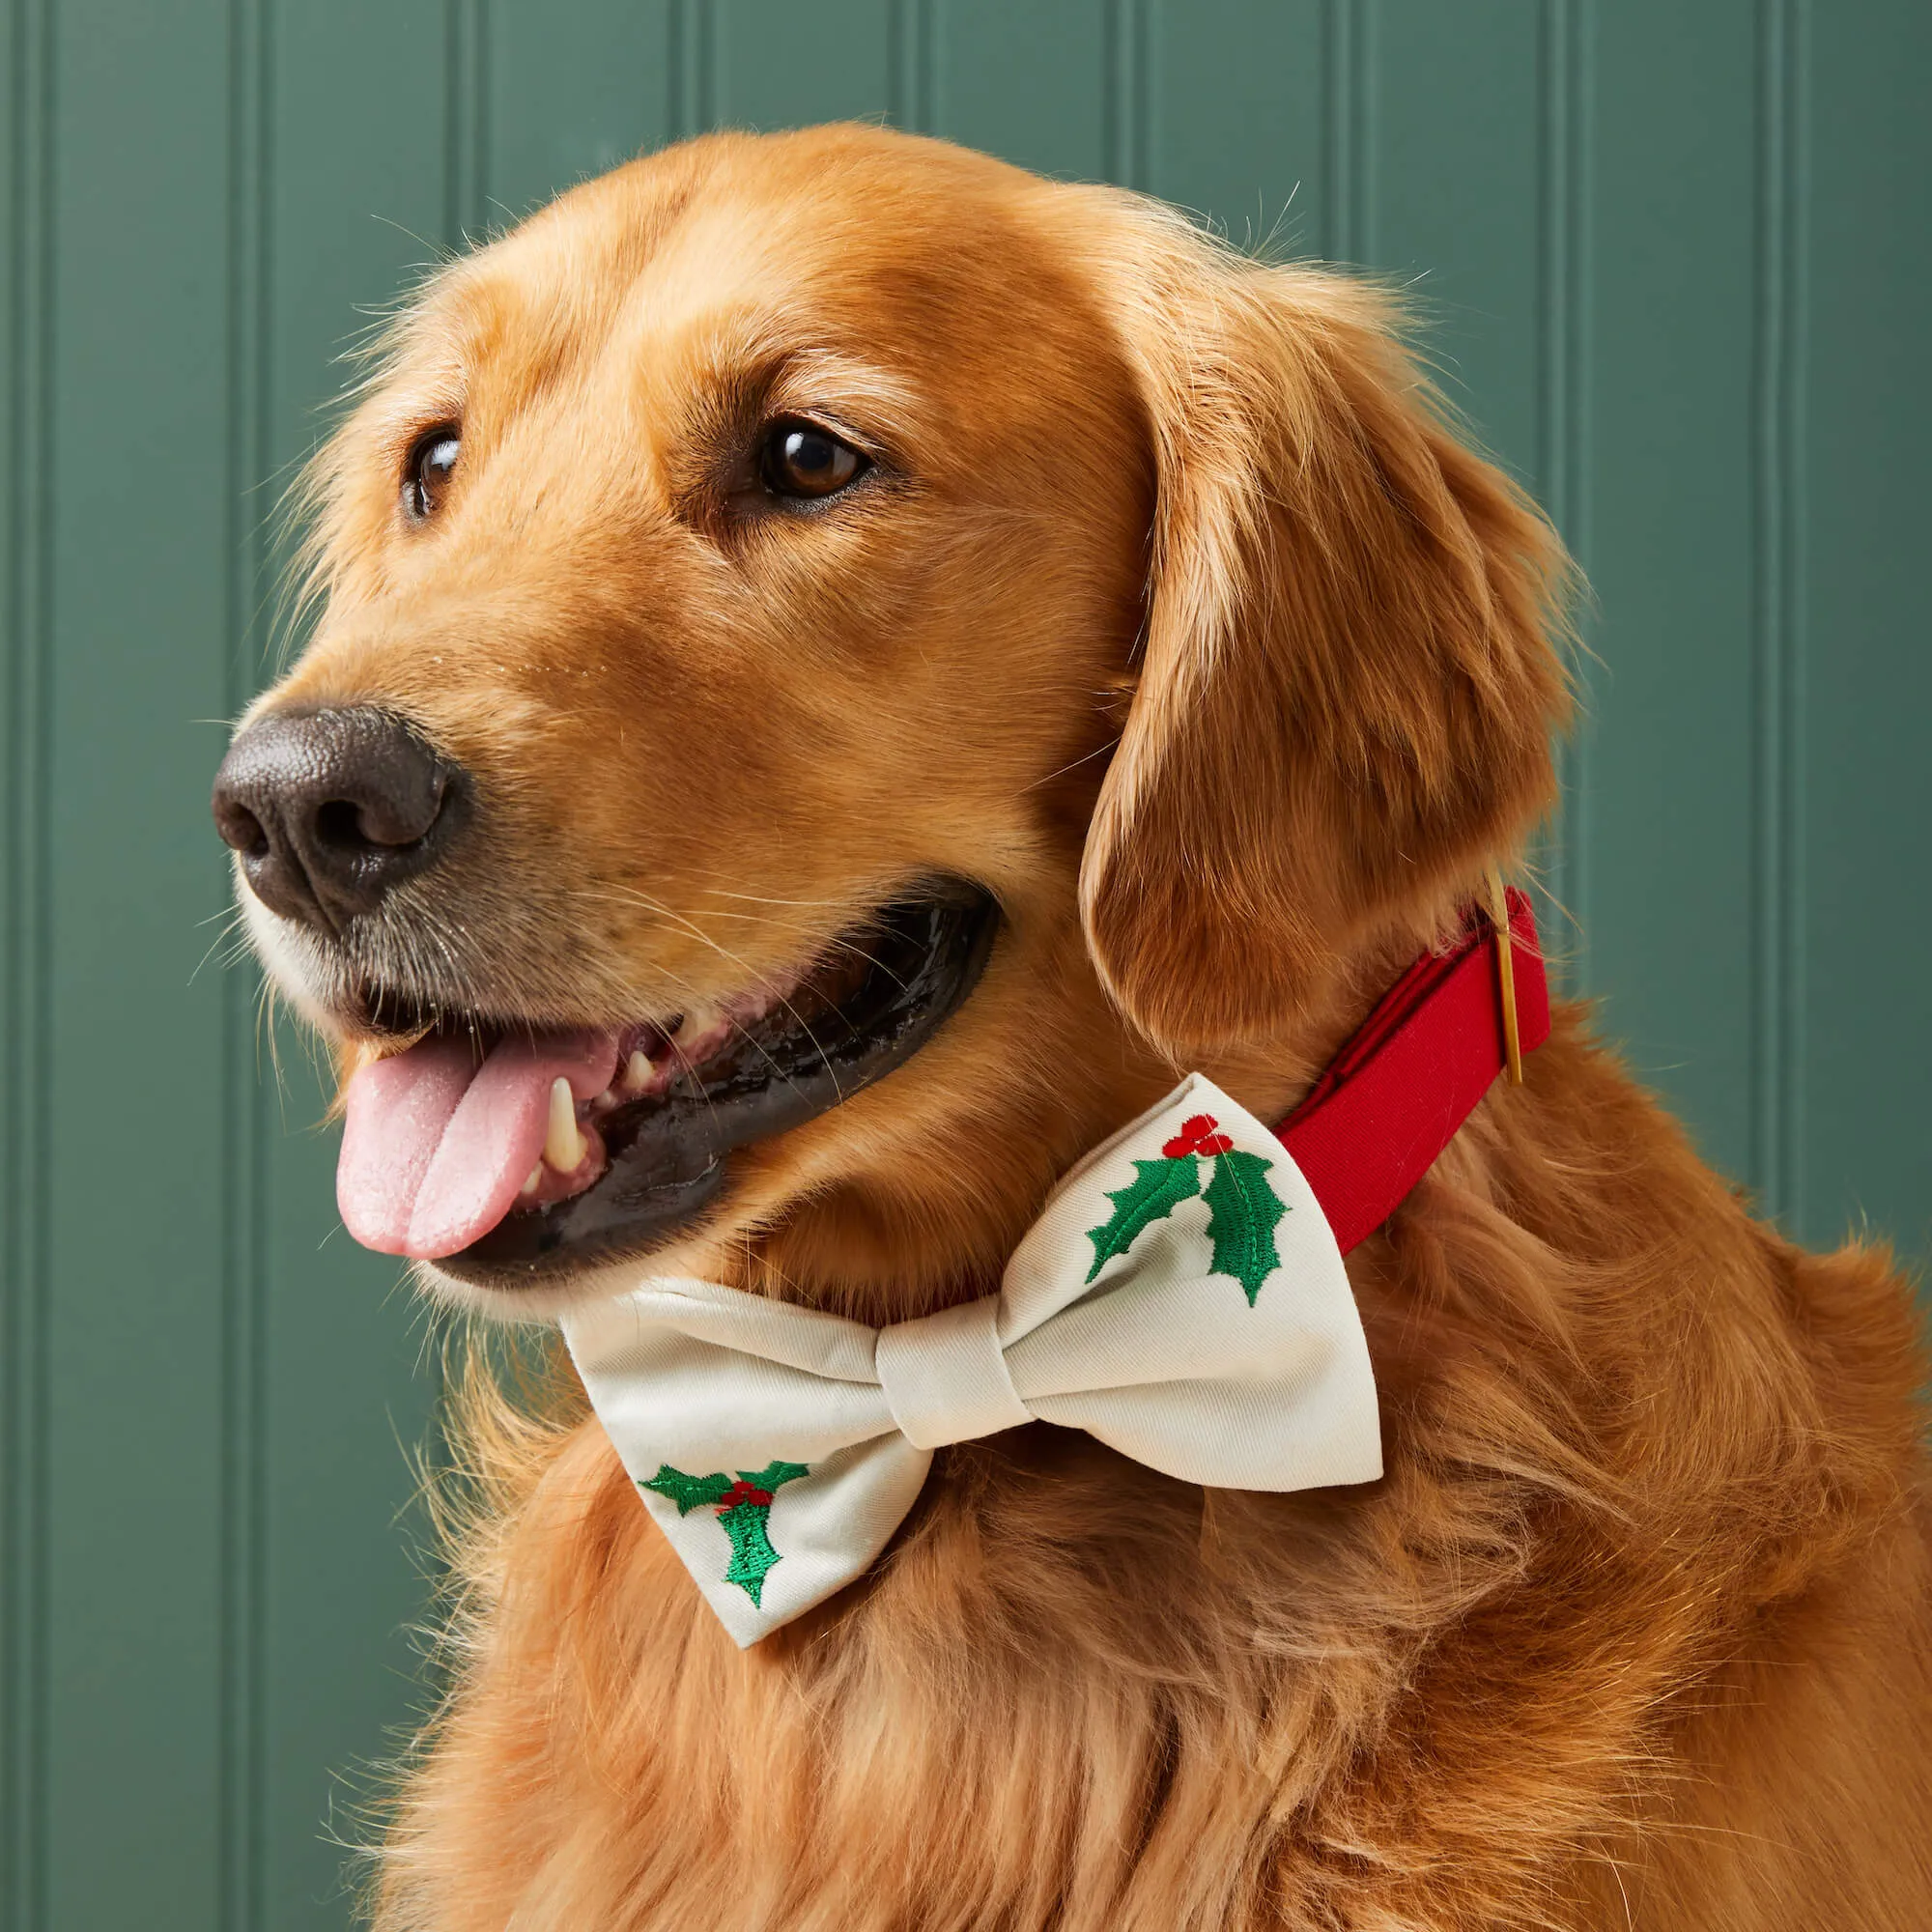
[1197, 1135]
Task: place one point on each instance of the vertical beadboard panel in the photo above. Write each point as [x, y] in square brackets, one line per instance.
[692, 66]
[375, 162]
[1861, 688]
[784, 65]
[1241, 142]
[26, 453]
[1565, 160]
[1027, 79]
[245, 1117]
[1348, 103]
[1674, 279]
[1127, 52]
[572, 91]
[466, 121]
[1473, 220]
[911, 41]
[1778, 801]
[1453, 201]
[140, 656]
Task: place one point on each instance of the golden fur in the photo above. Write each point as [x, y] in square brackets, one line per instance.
[1179, 618]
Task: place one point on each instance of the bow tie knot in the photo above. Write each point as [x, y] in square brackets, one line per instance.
[1181, 1299]
[946, 1377]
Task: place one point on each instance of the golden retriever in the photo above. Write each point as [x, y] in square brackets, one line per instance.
[790, 552]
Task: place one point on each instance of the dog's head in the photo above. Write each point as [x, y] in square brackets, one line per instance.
[840, 666]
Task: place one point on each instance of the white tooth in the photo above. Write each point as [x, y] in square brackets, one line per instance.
[535, 1181]
[697, 1022]
[637, 1069]
[563, 1144]
[606, 1100]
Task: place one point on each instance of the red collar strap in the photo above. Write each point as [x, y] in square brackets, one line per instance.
[1392, 1098]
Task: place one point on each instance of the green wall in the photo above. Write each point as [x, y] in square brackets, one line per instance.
[1676, 255]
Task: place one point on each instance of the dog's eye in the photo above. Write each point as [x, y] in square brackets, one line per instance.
[800, 458]
[426, 474]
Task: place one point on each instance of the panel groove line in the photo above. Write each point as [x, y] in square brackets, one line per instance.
[24, 1711]
[245, 1124]
[465, 123]
[1566, 36]
[909, 31]
[1348, 34]
[1125, 91]
[1777, 526]
[691, 67]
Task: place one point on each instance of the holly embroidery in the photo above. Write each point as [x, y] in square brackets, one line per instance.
[1242, 1209]
[743, 1508]
[1158, 1187]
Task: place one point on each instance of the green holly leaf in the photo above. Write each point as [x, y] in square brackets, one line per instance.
[1158, 1187]
[752, 1551]
[1242, 1213]
[744, 1521]
[773, 1474]
[688, 1491]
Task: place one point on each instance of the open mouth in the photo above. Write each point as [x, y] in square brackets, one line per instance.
[507, 1155]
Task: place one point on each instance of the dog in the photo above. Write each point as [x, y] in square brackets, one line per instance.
[838, 579]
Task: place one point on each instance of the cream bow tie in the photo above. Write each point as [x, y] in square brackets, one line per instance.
[1181, 1298]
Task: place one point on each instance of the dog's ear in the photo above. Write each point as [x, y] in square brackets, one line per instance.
[1345, 681]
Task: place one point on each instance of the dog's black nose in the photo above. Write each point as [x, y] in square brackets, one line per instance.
[331, 809]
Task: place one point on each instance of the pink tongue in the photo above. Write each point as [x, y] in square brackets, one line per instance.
[435, 1149]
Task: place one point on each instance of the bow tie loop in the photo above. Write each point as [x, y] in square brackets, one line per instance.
[946, 1377]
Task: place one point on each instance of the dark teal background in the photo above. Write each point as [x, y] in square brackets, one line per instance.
[1676, 256]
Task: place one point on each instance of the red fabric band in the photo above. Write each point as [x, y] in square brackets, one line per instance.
[1393, 1097]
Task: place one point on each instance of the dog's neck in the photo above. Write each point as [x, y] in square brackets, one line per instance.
[888, 1251]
